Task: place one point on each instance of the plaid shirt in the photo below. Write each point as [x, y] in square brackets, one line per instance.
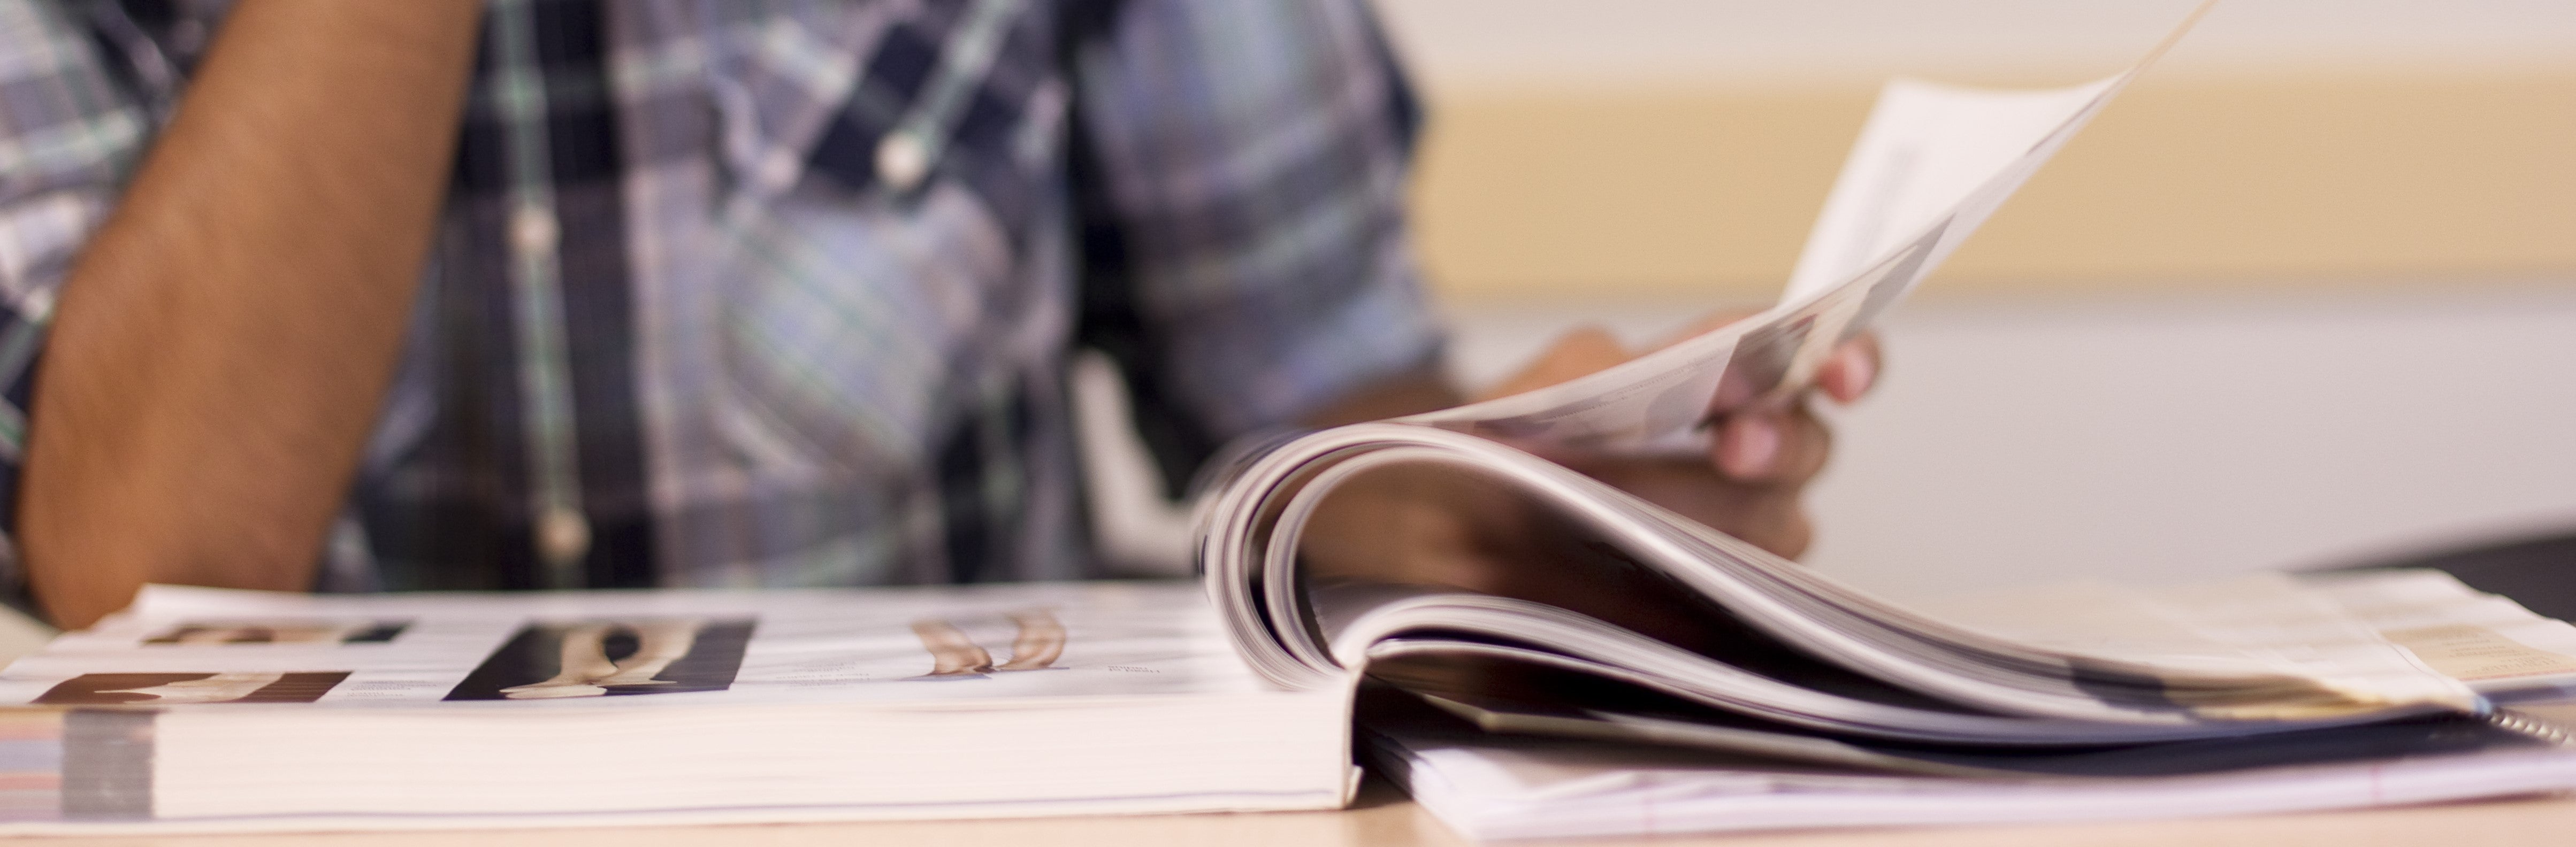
[781, 293]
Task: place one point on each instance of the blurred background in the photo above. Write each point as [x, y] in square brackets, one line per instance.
[2306, 293]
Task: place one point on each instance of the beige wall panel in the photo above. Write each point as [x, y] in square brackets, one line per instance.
[2193, 181]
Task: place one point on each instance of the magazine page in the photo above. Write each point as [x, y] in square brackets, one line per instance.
[1933, 162]
[2370, 630]
[1931, 151]
[1002, 644]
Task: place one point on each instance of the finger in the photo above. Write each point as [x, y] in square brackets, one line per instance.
[1803, 451]
[1773, 446]
[1852, 369]
[1748, 444]
[1583, 351]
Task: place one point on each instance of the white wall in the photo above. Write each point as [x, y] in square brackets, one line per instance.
[2173, 437]
[1478, 44]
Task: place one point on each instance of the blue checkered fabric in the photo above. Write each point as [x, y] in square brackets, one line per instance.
[780, 292]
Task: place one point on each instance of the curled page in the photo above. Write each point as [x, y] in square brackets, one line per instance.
[1933, 162]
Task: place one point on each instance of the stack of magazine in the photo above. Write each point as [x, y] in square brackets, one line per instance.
[1781, 698]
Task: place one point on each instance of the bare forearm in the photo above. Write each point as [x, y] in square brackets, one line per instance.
[220, 350]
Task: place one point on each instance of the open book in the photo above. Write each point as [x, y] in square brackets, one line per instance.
[206, 709]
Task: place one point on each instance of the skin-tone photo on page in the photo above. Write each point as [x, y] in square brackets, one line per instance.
[954, 654]
[588, 672]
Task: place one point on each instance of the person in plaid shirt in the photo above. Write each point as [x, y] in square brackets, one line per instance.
[595, 293]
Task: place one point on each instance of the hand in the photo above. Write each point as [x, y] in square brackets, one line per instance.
[1760, 460]
[1428, 526]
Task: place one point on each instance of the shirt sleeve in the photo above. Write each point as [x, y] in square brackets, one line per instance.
[69, 131]
[1240, 173]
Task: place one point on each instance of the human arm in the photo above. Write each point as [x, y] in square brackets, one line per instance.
[223, 342]
[1249, 263]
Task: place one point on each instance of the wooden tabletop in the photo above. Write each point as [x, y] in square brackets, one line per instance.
[1385, 819]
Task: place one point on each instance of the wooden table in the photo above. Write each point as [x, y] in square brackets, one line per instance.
[1383, 818]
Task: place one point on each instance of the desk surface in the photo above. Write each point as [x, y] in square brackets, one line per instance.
[1386, 819]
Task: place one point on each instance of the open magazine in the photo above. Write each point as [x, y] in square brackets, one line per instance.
[2059, 665]
[1932, 163]
[215, 710]
[1783, 663]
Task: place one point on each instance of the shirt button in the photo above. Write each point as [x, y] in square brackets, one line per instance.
[38, 305]
[563, 535]
[533, 231]
[778, 170]
[902, 160]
